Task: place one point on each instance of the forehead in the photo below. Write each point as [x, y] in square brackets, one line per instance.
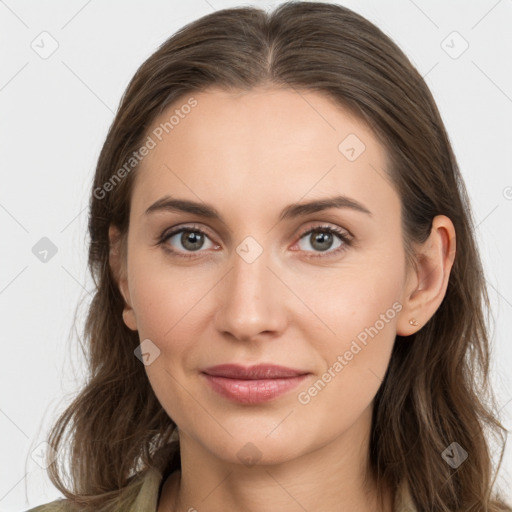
[259, 147]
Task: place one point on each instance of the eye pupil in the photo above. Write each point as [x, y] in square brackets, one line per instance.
[192, 240]
[321, 237]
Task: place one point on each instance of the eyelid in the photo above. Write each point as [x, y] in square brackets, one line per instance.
[324, 225]
[184, 227]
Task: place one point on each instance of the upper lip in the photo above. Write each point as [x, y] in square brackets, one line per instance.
[260, 371]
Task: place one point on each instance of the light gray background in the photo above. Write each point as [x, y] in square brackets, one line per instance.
[55, 113]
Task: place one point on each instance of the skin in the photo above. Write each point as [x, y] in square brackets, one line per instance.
[250, 154]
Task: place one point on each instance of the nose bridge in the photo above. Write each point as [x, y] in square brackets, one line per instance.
[250, 300]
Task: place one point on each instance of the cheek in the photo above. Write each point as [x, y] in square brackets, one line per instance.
[362, 330]
[355, 362]
[164, 296]
[170, 311]
[348, 301]
[358, 311]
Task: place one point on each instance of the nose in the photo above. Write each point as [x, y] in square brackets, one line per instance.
[251, 300]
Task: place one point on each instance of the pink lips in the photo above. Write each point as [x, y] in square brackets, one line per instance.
[254, 384]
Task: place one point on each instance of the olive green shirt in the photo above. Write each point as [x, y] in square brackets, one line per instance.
[144, 498]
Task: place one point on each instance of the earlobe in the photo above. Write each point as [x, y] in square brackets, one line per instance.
[129, 318]
[118, 267]
[434, 262]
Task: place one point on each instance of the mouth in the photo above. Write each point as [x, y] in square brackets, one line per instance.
[254, 384]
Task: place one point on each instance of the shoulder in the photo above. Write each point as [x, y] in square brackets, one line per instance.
[141, 494]
[60, 505]
[403, 500]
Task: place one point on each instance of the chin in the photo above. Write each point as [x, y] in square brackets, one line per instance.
[258, 449]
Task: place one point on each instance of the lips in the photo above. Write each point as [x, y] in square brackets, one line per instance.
[261, 371]
[254, 384]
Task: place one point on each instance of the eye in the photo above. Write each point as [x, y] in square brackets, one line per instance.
[322, 238]
[191, 239]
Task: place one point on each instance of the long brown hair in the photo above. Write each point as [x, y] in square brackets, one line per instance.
[436, 389]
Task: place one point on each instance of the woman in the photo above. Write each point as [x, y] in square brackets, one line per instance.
[290, 304]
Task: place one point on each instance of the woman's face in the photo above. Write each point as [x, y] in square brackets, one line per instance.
[247, 285]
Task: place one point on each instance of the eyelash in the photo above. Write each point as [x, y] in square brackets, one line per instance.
[341, 234]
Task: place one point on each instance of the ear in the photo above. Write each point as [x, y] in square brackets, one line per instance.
[427, 283]
[117, 261]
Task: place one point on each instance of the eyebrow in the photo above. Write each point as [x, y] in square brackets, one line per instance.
[291, 211]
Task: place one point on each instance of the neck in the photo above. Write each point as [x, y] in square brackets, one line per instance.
[332, 477]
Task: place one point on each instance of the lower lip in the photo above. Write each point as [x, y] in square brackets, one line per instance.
[253, 391]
